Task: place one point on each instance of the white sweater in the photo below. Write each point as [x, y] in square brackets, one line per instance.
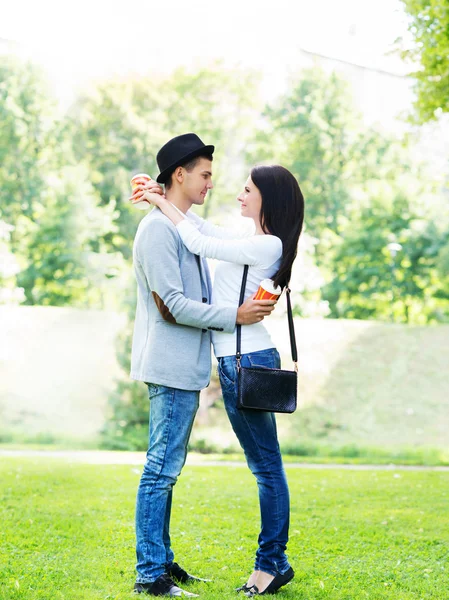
[263, 255]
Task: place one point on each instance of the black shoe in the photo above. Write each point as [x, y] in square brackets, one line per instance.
[178, 573]
[273, 587]
[162, 586]
[242, 588]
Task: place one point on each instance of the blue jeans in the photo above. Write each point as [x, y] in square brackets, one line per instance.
[257, 434]
[172, 413]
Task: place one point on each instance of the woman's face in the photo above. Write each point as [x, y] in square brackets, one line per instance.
[250, 200]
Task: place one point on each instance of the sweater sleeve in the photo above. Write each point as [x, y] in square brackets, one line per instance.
[157, 252]
[257, 250]
[208, 228]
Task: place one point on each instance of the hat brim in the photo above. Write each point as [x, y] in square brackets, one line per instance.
[162, 177]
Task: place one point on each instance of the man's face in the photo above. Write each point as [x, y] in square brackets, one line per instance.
[198, 182]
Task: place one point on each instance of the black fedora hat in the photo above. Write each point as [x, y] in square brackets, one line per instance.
[178, 151]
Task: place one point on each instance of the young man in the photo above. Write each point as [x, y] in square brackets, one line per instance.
[171, 350]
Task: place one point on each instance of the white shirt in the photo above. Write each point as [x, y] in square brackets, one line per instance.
[262, 253]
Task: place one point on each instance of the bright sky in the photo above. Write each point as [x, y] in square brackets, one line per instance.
[77, 41]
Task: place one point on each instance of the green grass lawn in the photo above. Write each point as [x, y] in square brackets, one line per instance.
[67, 531]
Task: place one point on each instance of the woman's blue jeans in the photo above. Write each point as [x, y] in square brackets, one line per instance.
[257, 434]
[172, 413]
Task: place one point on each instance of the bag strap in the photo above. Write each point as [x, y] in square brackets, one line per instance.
[291, 324]
[239, 327]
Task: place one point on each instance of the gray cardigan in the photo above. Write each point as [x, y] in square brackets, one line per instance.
[171, 342]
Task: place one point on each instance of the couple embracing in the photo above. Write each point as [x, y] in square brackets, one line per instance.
[178, 315]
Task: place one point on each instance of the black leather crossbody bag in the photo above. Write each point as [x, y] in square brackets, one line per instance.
[262, 388]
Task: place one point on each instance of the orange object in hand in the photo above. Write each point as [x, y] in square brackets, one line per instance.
[267, 291]
[135, 181]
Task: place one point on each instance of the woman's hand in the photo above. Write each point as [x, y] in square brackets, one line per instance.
[151, 185]
[150, 192]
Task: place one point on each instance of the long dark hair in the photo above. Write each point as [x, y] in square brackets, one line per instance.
[282, 212]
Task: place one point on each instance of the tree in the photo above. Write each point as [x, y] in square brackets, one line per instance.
[371, 282]
[126, 426]
[26, 125]
[311, 131]
[63, 247]
[115, 131]
[55, 217]
[429, 28]
[9, 267]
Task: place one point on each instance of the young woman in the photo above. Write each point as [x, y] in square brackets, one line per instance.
[273, 199]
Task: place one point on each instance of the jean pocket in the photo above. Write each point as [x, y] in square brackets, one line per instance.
[265, 358]
[226, 374]
[152, 388]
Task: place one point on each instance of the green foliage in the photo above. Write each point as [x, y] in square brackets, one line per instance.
[58, 224]
[62, 240]
[311, 130]
[369, 282]
[429, 28]
[442, 266]
[26, 141]
[26, 144]
[9, 292]
[126, 427]
[323, 453]
[126, 422]
[116, 131]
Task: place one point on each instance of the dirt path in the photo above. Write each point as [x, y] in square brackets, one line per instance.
[106, 457]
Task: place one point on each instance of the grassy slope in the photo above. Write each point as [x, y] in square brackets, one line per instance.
[364, 383]
[361, 382]
[383, 384]
[57, 368]
[67, 532]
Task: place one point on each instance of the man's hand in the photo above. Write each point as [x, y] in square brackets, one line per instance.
[254, 311]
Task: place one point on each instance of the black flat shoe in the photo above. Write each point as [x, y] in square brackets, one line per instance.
[178, 573]
[162, 586]
[242, 588]
[273, 587]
